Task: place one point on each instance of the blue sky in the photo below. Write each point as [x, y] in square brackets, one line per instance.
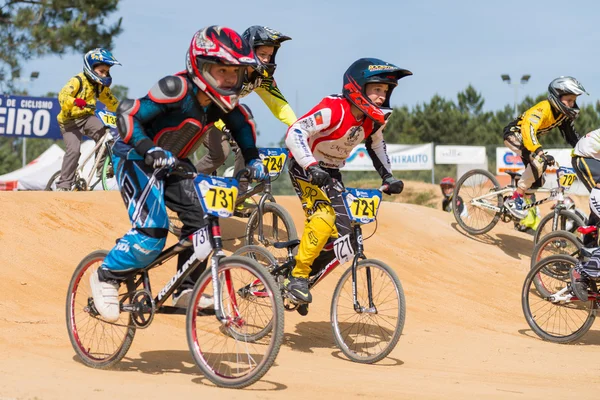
[446, 44]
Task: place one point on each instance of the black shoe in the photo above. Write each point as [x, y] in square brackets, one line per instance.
[298, 287]
[303, 309]
[579, 284]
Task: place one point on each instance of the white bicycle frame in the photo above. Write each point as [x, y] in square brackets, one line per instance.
[102, 142]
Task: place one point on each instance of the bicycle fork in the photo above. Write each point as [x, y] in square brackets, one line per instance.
[360, 255]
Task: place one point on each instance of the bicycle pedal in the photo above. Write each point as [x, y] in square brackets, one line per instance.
[303, 309]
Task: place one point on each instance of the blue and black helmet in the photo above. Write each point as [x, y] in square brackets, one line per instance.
[264, 36]
[95, 57]
[371, 70]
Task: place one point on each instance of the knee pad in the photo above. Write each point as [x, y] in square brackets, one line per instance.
[134, 250]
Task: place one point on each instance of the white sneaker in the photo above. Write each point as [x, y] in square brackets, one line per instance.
[183, 299]
[106, 298]
[515, 207]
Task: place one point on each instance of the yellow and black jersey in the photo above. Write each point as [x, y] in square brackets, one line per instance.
[539, 120]
[81, 87]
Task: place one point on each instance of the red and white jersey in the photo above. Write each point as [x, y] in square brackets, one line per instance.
[327, 134]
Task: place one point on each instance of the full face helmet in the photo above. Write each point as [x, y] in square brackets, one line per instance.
[95, 57]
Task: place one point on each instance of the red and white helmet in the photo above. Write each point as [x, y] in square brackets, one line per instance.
[218, 45]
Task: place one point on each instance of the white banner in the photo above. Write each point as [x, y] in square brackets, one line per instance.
[403, 158]
[507, 160]
[460, 154]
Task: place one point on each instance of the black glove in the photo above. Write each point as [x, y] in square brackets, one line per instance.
[318, 176]
[392, 185]
[158, 157]
[544, 157]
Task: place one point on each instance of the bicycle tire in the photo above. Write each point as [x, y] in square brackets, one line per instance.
[338, 332]
[568, 237]
[218, 374]
[531, 316]
[472, 211]
[564, 216]
[86, 351]
[104, 174]
[174, 223]
[51, 185]
[279, 214]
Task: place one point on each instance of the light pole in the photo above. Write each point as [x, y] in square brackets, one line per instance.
[16, 76]
[524, 80]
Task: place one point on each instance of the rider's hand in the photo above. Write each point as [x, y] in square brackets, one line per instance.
[318, 176]
[257, 169]
[81, 103]
[392, 185]
[544, 157]
[158, 157]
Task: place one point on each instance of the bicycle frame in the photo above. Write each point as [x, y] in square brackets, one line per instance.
[263, 187]
[102, 146]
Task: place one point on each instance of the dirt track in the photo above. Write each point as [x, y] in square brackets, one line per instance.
[465, 334]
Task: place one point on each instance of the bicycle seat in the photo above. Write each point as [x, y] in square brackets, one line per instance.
[514, 175]
[284, 245]
[586, 229]
[588, 251]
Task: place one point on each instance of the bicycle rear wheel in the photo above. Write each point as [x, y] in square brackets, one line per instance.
[228, 353]
[99, 344]
[278, 226]
[554, 313]
[370, 334]
[567, 221]
[476, 185]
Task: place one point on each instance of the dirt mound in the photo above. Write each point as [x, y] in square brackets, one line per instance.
[465, 334]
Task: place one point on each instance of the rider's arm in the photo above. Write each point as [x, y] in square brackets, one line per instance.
[67, 93]
[108, 99]
[274, 99]
[316, 120]
[567, 129]
[240, 123]
[531, 121]
[378, 152]
[133, 115]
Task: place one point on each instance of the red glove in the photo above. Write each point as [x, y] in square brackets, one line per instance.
[81, 103]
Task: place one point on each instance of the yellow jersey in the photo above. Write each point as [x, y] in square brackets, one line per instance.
[81, 87]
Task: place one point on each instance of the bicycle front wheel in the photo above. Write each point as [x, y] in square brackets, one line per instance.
[175, 223]
[369, 334]
[558, 242]
[109, 180]
[566, 221]
[51, 185]
[278, 226]
[554, 313]
[227, 352]
[99, 344]
[481, 206]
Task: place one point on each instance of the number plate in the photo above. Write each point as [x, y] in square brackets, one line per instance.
[566, 177]
[202, 246]
[362, 204]
[274, 159]
[343, 249]
[108, 118]
[217, 195]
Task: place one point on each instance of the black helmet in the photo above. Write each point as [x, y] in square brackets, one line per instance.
[561, 86]
[371, 70]
[264, 36]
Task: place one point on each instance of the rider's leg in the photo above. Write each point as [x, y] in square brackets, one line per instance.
[180, 196]
[218, 150]
[94, 128]
[142, 244]
[72, 135]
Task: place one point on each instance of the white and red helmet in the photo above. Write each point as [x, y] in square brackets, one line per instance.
[218, 45]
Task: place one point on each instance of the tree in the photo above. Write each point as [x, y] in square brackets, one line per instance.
[120, 91]
[33, 28]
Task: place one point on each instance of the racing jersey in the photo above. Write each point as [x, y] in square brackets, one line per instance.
[171, 117]
[327, 134]
[81, 87]
[589, 145]
[539, 120]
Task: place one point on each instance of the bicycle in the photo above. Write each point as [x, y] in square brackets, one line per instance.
[269, 222]
[218, 337]
[549, 305]
[484, 197]
[99, 173]
[366, 320]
